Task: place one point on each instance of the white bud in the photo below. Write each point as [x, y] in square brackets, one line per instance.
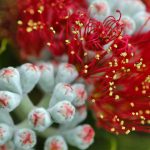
[55, 143]
[142, 21]
[5, 117]
[129, 25]
[5, 133]
[81, 94]
[29, 75]
[62, 91]
[9, 101]
[66, 73]
[62, 112]
[81, 137]
[113, 4]
[10, 80]
[130, 7]
[47, 80]
[99, 9]
[25, 139]
[80, 115]
[39, 119]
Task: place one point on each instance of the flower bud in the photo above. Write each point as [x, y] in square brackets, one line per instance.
[129, 25]
[66, 73]
[81, 94]
[80, 115]
[46, 81]
[5, 117]
[62, 112]
[55, 143]
[141, 20]
[25, 139]
[39, 119]
[81, 137]
[29, 75]
[62, 91]
[7, 146]
[99, 9]
[127, 8]
[9, 101]
[10, 80]
[113, 4]
[5, 133]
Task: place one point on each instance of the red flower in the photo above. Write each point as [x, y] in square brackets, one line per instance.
[41, 24]
[142, 43]
[121, 97]
[92, 44]
[33, 26]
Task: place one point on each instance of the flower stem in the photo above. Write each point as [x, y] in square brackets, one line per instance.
[45, 101]
[23, 124]
[48, 132]
[24, 108]
[113, 144]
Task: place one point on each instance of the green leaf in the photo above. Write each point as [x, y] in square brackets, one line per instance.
[3, 45]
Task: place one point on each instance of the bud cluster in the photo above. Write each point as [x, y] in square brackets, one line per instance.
[63, 104]
[134, 17]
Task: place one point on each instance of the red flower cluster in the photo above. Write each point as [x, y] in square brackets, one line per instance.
[117, 65]
[120, 67]
[41, 24]
[121, 101]
[92, 44]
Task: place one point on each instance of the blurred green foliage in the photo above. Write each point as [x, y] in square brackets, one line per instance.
[3, 45]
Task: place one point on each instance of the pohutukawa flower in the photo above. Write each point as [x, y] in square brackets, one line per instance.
[25, 138]
[33, 26]
[141, 42]
[81, 136]
[93, 44]
[39, 119]
[55, 143]
[5, 133]
[42, 24]
[128, 91]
